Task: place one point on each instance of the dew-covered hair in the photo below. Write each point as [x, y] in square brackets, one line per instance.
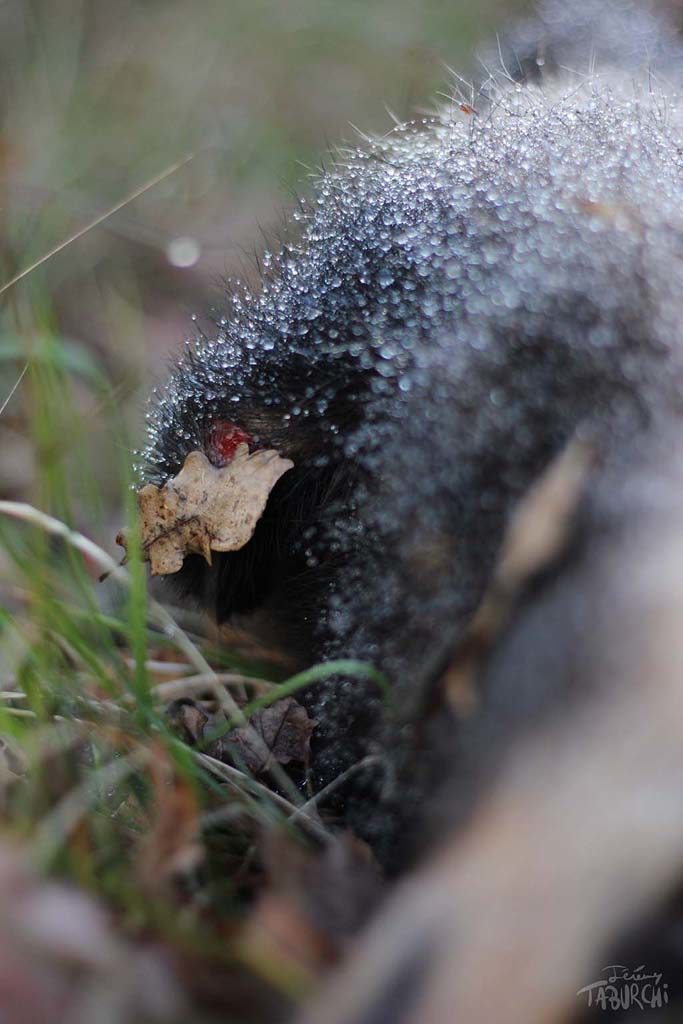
[462, 296]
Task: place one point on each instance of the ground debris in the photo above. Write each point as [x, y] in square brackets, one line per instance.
[280, 733]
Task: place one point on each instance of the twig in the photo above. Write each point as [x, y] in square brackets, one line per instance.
[322, 794]
[176, 688]
[13, 389]
[240, 781]
[97, 221]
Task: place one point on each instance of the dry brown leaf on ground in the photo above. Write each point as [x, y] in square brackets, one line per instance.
[206, 508]
[285, 729]
[280, 733]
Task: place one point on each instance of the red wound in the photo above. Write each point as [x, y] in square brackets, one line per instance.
[223, 440]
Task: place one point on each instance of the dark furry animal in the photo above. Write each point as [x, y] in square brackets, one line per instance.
[464, 295]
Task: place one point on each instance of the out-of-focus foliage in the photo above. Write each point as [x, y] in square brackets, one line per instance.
[98, 98]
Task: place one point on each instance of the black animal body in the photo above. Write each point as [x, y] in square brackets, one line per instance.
[460, 298]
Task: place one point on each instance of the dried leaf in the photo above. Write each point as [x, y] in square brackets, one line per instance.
[542, 522]
[190, 719]
[284, 728]
[206, 508]
[537, 533]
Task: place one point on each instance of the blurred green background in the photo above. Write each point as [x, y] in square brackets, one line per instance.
[99, 97]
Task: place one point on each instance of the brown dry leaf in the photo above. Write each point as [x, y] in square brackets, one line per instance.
[190, 718]
[541, 523]
[538, 531]
[284, 728]
[205, 508]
